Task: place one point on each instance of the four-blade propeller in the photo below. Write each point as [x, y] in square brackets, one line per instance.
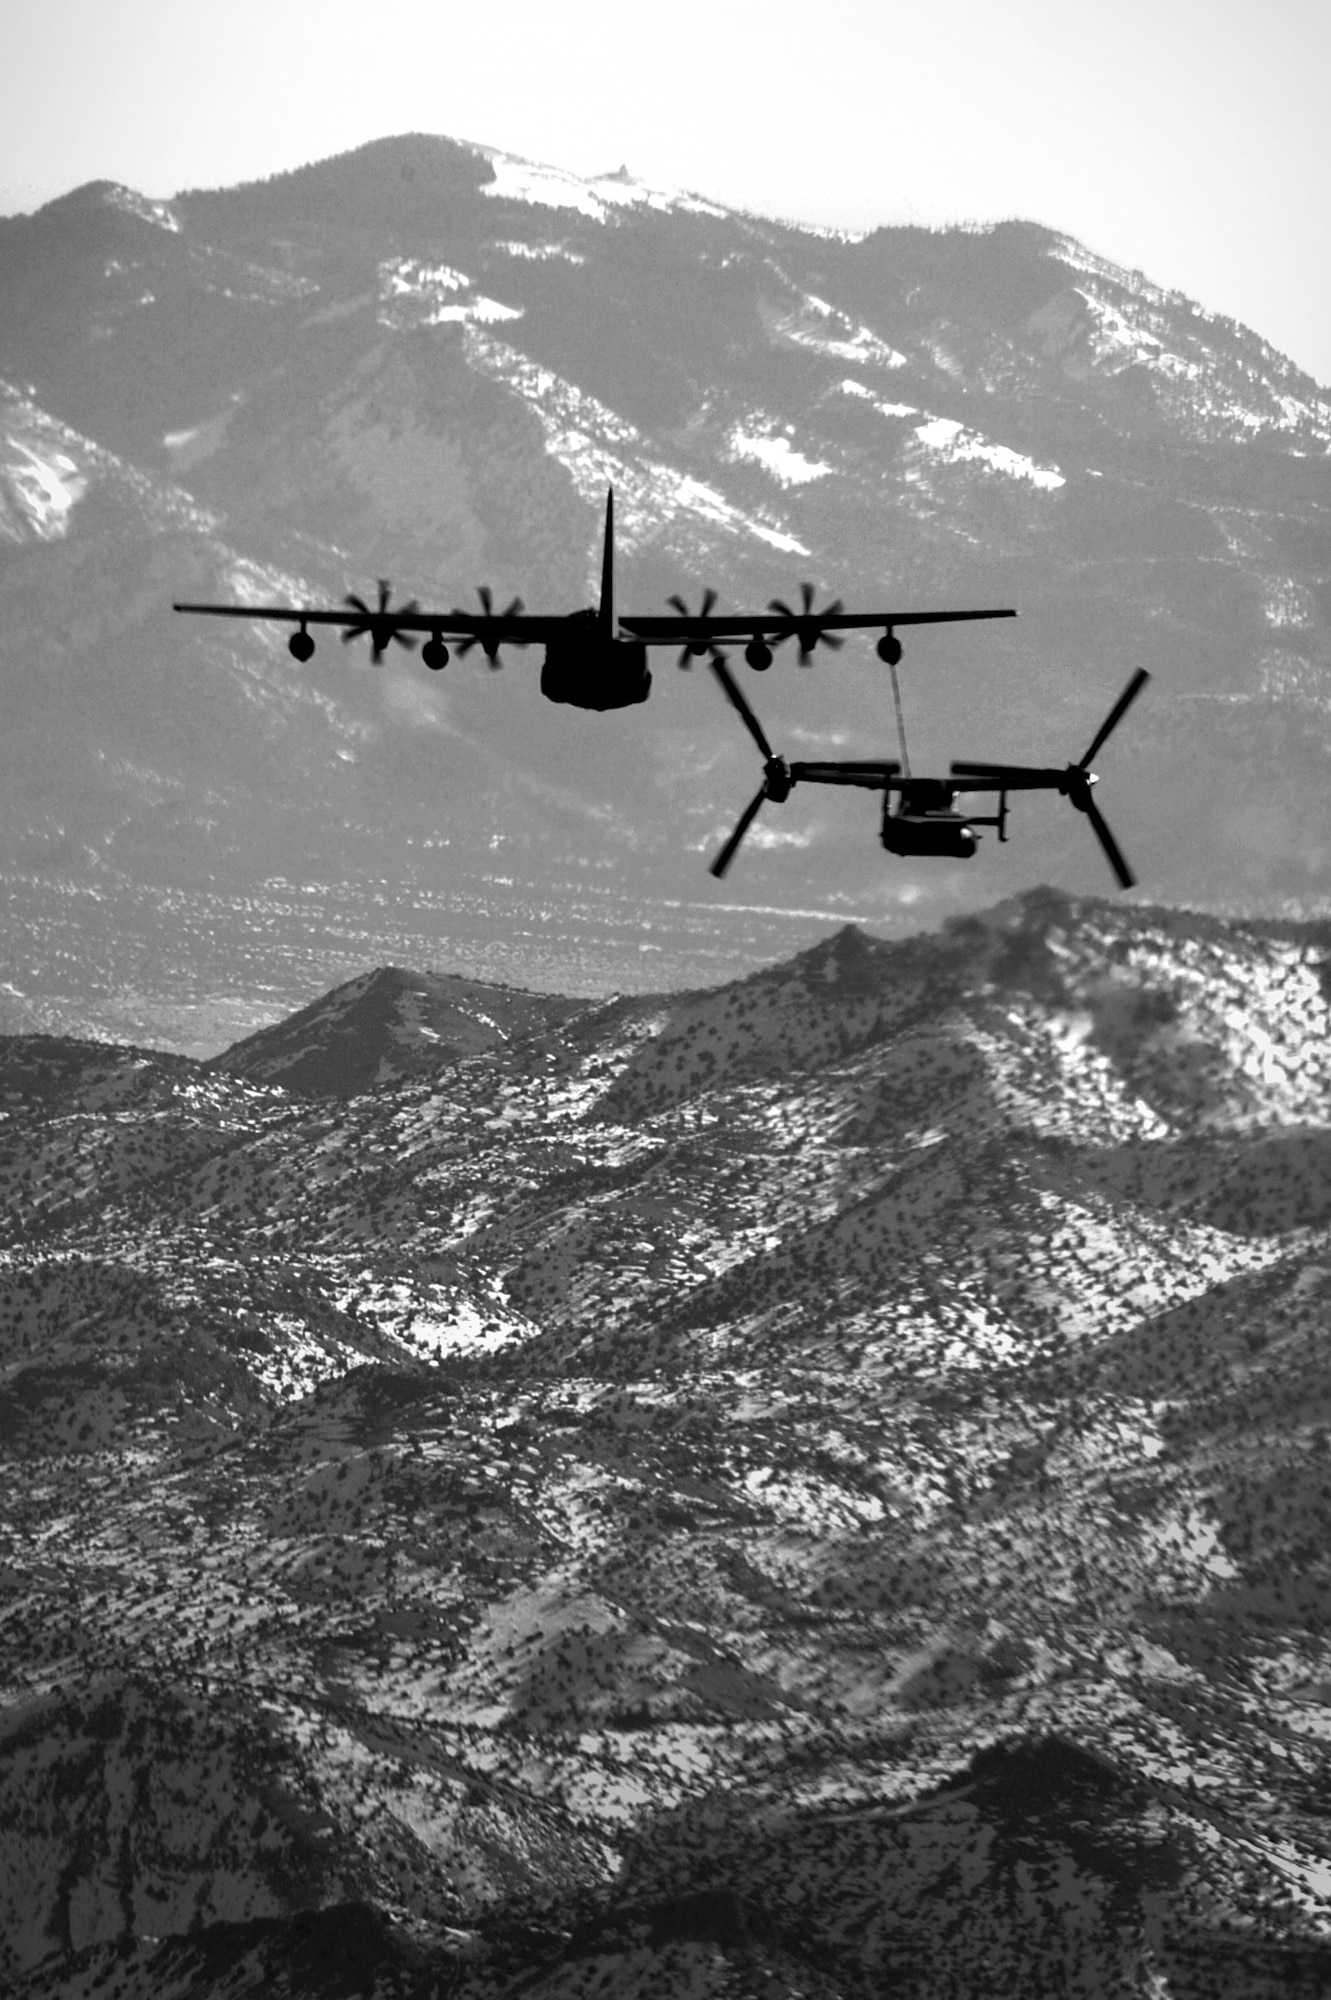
[807, 625]
[1074, 781]
[488, 632]
[694, 649]
[380, 624]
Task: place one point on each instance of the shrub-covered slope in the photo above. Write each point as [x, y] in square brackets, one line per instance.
[818, 1485]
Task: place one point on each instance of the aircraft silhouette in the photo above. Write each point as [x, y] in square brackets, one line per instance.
[592, 659]
[925, 820]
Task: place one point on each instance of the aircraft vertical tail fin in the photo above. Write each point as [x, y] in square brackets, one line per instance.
[607, 609]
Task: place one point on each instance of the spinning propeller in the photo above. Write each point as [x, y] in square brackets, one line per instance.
[1074, 782]
[777, 779]
[491, 640]
[694, 649]
[807, 628]
[380, 624]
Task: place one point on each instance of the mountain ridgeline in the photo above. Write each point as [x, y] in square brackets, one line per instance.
[816, 1485]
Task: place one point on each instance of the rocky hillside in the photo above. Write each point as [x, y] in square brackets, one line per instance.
[386, 1026]
[817, 1485]
[427, 361]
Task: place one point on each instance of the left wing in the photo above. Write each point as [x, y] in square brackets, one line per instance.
[385, 622]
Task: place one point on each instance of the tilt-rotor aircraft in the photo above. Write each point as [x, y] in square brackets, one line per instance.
[924, 820]
[592, 658]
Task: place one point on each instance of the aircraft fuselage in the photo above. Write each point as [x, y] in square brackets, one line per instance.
[590, 670]
[925, 823]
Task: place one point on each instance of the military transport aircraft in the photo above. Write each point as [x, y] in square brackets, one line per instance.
[592, 659]
[925, 819]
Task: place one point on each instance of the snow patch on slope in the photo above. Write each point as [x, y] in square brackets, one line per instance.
[777, 455]
[433, 1321]
[46, 467]
[850, 387]
[133, 203]
[954, 443]
[542, 253]
[1214, 376]
[822, 328]
[1289, 605]
[599, 449]
[44, 486]
[414, 294]
[552, 187]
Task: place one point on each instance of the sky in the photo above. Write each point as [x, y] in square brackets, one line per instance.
[1189, 139]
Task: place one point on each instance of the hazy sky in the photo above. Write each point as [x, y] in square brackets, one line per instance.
[1188, 138]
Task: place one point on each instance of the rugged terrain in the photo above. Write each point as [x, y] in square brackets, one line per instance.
[817, 1485]
[427, 360]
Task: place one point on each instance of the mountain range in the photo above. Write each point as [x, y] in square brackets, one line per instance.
[428, 361]
[813, 1485]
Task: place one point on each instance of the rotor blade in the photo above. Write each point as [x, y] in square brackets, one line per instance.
[1126, 878]
[357, 604]
[746, 714]
[746, 819]
[1117, 713]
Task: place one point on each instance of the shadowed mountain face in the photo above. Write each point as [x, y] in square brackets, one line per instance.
[427, 361]
[387, 1026]
[813, 1486]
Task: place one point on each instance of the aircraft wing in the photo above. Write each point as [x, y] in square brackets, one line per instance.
[281, 611]
[505, 628]
[680, 628]
[874, 777]
[1010, 777]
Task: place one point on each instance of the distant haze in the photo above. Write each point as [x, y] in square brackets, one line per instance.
[1188, 140]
